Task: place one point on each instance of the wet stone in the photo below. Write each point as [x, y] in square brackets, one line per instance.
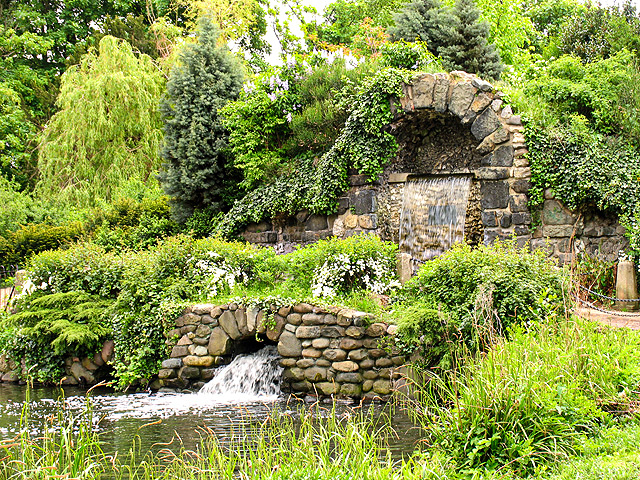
[349, 377]
[351, 390]
[315, 374]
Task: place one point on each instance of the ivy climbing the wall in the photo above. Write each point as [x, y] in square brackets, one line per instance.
[316, 183]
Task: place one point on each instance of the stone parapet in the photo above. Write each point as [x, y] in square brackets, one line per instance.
[325, 351]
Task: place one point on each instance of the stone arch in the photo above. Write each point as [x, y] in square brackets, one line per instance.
[453, 124]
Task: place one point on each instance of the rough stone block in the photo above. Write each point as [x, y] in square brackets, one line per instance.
[489, 219]
[358, 355]
[350, 343]
[294, 318]
[312, 319]
[219, 342]
[495, 173]
[523, 218]
[368, 222]
[331, 332]
[422, 91]
[363, 202]
[500, 136]
[306, 362]
[184, 340]
[461, 98]
[482, 85]
[320, 343]
[274, 331]
[521, 185]
[293, 374]
[351, 389]
[370, 374]
[503, 156]
[328, 388]
[317, 222]
[377, 353]
[189, 372]
[384, 362]
[554, 213]
[188, 319]
[505, 220]
[315, 374]
[305, 331]
[195, 361]
[166, 373]
[203, 331]
[355, 332]
[179, 351]
[303, 308]
[289, 345]
[241, 321]
[311, 353]
[366, 364]
[334, 354]
[441, 92]
[494, 194]
[557, 230]
[485, 124]
[228, 323]
[376, 330]
[481, 102]
[346, 366]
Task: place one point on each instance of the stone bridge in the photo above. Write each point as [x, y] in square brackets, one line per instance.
[324, 351]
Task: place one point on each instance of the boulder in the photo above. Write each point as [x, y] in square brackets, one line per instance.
[219, 342]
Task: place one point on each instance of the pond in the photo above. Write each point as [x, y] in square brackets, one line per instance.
[157, 418]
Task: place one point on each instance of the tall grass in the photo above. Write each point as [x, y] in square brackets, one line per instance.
[530, 400]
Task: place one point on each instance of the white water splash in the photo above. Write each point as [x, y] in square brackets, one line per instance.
[433, 215]
[254, 377]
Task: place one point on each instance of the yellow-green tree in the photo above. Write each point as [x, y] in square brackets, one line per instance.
[108, 129]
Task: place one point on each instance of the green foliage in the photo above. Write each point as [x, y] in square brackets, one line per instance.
[31, 239]
[342, 20]
[107, 130]
[195, 164]
[530, 400]
[469, 294]
[362, 145]
[409, 56]
[456, 35]
[49, 328]
[599, 33]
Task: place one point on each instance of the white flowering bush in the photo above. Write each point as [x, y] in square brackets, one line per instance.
[216, 275]
[342, 273]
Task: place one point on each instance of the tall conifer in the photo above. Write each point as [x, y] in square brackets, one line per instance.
[207, 77]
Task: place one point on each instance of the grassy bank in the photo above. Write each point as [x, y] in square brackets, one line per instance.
[555, 402]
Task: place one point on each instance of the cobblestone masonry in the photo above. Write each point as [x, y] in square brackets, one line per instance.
[324, 351]
[454, 124]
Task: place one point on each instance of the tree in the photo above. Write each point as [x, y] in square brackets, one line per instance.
[455, 35]
[466, 46]
[422, 20]
[206, 78]
[108, 129]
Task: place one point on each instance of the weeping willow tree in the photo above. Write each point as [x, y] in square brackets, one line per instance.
[108, 129]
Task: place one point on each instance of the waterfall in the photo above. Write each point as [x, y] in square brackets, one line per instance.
[247, 377]
[433, 215]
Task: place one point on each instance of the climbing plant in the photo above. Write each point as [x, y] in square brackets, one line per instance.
[363, 145]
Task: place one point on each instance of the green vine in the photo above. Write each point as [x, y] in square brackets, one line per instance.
[363, 145]
[269, 305]
[586, 169]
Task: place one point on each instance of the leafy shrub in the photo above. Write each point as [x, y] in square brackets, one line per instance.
[470, 293]
[32, 239]
[529, 399]
[363, 145]
[48, 328]
[84, 268]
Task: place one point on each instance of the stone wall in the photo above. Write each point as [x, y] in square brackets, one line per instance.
[324, 351]
[79, 371]
[564, 233]
[448, 124]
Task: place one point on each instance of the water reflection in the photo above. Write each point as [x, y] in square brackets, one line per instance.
[157, 418]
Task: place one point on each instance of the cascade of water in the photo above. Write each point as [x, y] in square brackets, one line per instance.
[248, 376]
[433, 215]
